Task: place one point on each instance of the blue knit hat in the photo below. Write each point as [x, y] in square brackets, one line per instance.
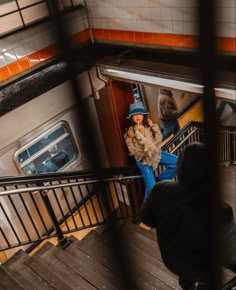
[137, 108]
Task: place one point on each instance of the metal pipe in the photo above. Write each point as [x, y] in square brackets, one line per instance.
[62, 240]
[207, 65]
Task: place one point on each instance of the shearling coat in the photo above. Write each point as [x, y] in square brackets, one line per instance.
[145, 147]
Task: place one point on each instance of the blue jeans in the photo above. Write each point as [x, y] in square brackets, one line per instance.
[170, 127]
[167, 159]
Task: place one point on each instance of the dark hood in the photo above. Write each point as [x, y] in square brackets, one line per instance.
[191, 166]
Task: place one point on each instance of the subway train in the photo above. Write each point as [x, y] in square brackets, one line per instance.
[51, 118]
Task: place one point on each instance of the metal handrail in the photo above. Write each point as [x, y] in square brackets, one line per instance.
[64, 185]
[34, 207]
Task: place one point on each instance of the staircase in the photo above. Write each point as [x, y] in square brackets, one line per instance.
[89, 264]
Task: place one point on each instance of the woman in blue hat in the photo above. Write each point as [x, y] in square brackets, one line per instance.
[143, 139]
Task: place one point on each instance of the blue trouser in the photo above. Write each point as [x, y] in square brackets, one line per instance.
[170, 127]
[167, 159]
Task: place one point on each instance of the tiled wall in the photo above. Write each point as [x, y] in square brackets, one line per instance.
[28, 48]
[159, 22]
[150, 22]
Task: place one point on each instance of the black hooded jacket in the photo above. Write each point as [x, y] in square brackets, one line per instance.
[178, 212]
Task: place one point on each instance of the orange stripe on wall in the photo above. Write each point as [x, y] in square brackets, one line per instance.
[165, 39]
[146, 38]
[38, 57]
[4, 73]
[227, 44]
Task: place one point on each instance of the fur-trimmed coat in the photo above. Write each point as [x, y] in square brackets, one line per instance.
[145, 147]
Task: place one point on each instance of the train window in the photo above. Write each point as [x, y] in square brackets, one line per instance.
[50, 152]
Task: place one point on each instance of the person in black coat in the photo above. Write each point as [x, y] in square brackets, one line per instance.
[178, 211]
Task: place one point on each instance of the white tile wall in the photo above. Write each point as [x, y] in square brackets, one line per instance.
[190, 3]
[167, 27]
[9, 56]
[2, 61]
[120, 13]
[145, 13]
[177, 14]
[21, 52]
[31, 40]
[149, 3]
[157, 16]
[166, 14]
[142, 15]
[35, 12]
[165, 3]
[190, 14]
[226, 14]
[190, 28]
[132, 25]
[8, 23]
[226, 3]
[226, 30]
[178, 27]
[130, 3]
[174, 16]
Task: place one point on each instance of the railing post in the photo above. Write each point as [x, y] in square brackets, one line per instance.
[132, 202]
[232, 147]
[62, 240]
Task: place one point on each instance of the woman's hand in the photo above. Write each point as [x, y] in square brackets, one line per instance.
[130, 132]
[150, 123]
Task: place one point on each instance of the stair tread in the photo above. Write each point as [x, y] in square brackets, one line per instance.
[145, 244]
[227, 275]
[7, 281]
[82, 265]
[149, 263]
[89, 264]
[149, 270]
[139, 237]
[231, 283]
[49, 275]
[47, 255]
[145, 241]
[17, 267]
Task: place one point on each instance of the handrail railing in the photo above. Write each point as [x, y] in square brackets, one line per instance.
[194, 132]
[44, 177]
[37, 207]
[31, 214]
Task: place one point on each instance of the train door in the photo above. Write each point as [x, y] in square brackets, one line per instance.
[112, 109]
